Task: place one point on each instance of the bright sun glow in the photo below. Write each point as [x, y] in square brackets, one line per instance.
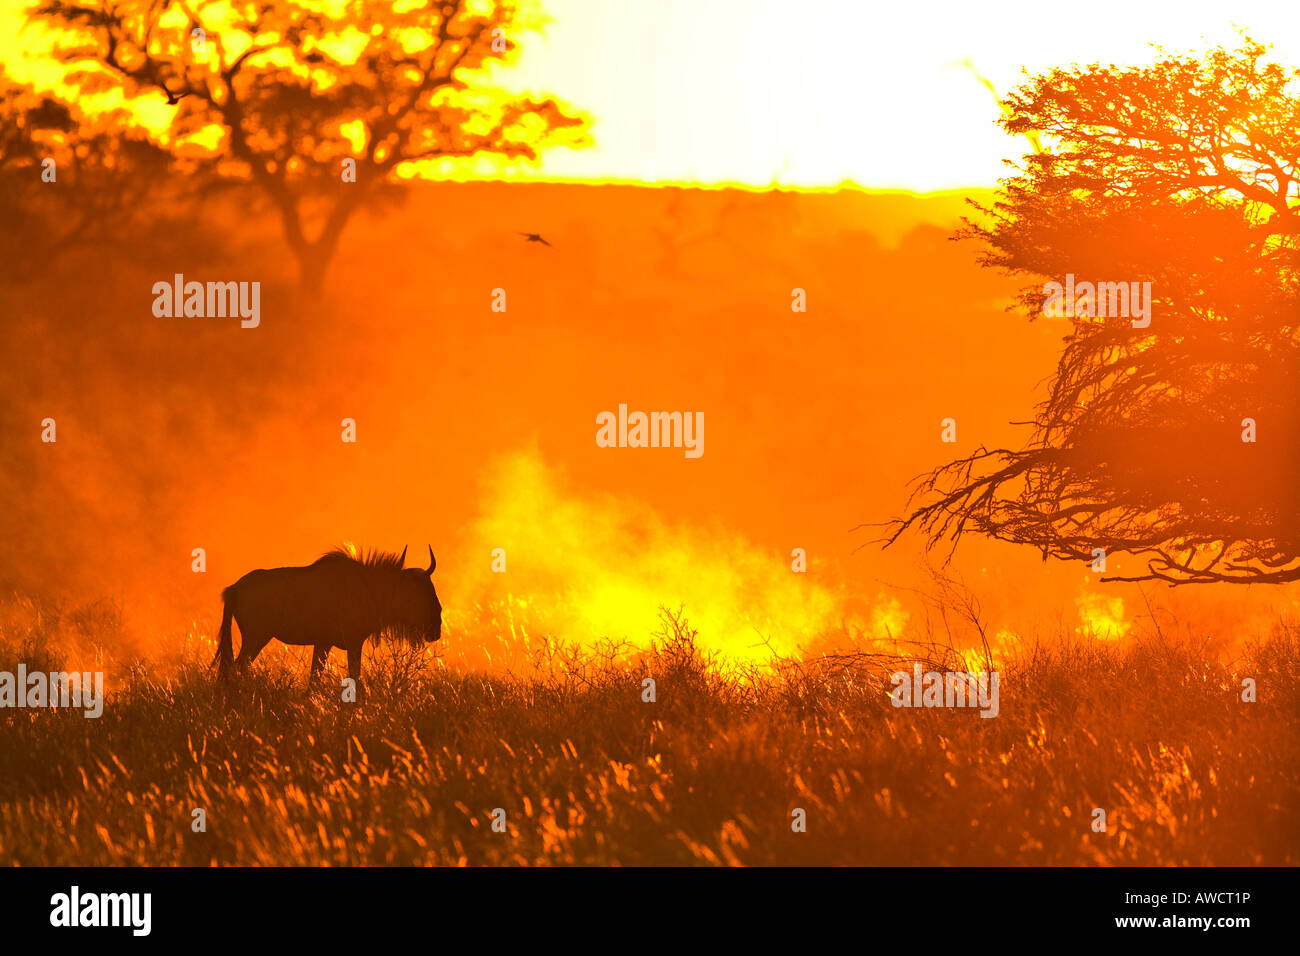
[706, 92]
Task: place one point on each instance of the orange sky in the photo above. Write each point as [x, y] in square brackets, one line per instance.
[747, 92]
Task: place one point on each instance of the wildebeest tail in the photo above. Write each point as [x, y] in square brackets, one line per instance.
[225, 640]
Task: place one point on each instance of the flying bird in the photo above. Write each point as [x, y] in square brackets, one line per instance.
[174, 98]
[535, 237]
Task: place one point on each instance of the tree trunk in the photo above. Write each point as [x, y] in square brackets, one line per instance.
[314, 256]
[313, 264]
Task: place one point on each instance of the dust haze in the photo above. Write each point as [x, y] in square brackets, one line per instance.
[475, 428]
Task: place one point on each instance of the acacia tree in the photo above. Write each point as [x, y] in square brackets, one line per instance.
[69, 181]
[283, 95]
[1185, 174]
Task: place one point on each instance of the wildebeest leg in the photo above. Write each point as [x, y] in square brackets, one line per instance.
[354, 666]
[250, 647]
[318, 656]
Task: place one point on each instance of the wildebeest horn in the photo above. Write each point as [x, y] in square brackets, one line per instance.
[433, 562]
[401, 562]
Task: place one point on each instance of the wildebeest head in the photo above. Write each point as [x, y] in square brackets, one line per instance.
[417, 612]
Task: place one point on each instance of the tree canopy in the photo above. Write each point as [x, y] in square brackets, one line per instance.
[282, 94]
[1177, 440]
[70, 181]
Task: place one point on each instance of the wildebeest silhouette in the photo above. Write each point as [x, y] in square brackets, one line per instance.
[338, 601]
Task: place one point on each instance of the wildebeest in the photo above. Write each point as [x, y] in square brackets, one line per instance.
[338, 601]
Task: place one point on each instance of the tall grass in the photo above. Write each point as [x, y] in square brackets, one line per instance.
[587, 772]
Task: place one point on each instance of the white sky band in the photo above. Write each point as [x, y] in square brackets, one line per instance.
[853, 77]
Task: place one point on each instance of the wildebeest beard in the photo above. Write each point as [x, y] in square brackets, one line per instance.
[399, 634]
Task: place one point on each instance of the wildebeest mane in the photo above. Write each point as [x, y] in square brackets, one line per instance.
[382, 560]
[375, 560]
